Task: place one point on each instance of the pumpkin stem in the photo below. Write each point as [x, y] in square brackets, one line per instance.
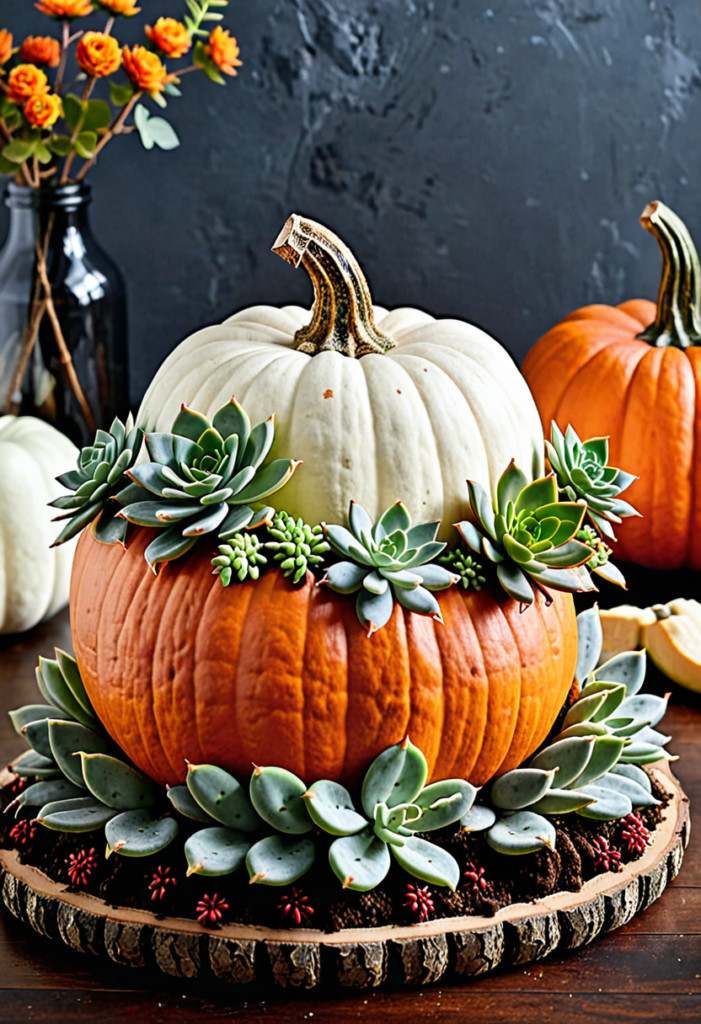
[342, 319]
[678, 320]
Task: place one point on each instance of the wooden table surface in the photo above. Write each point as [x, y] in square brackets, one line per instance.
[650, 970]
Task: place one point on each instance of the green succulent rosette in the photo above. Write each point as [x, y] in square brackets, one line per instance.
[97, 479]
[529, 535]
[204, 478]
[583, 473]
[385, 562]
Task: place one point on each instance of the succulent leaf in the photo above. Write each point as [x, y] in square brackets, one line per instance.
[635, 774]
[185, 804]
[607, 804]
[280, 860]
[68, 740]
[428, 862]
[21, 717]
[32, 765]
[360, 861]
[330, 807]
[561, 801]
[216, 851]
[56, 690]
[461, 564]
[478, 818]
[569, 756]
[442, 804]
[396, 776]
[628, 669]
[278, 797]
[522, 832]
[138, 834]
[607, 750]
[639, 796]
[296, 546]
[221, 797]
[41, 793]
[520, 788]
[86, 817]
[116, 784]
[590, 638]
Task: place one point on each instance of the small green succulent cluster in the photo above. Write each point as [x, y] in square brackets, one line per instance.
[396, 802]
[98, 478]
[592, 766]
[241, 558]
[83, 781]
[529, 534]
[296, 546]
[205, 478]
[390, 560]
[465, 567]
[583, 474]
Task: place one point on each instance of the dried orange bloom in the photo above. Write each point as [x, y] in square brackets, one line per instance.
[41, 50]
[65, 8]
[5, 45]
[169, 36]
[127, 8]
[43, 110]
[97, 54]
[146, 69]
[224, 50]
[26, 80]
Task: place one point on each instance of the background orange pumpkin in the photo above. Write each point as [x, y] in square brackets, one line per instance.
[633, 372]
[179, 667]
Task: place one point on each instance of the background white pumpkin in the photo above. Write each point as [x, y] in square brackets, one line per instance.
[34, 578]
[445, 404]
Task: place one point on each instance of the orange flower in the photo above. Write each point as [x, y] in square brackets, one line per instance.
[97, 54]
[170, 37]
[145, 69]
[224, 50]
[41, 50]
[26, 80]
[65, 8]
[43, 110]
[127, 8]
[5, 45]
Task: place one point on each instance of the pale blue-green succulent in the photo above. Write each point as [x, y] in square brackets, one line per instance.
[385, 562]
[592, 766]
[204, 478]
[583, 474]
[295, 546]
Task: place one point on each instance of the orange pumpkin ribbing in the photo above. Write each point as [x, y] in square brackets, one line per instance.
[179, 668]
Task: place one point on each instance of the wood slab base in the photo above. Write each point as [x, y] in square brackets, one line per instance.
[421, 954]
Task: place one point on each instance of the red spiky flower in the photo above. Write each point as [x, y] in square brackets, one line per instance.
[81, 865]
[476, 878]
[17, 785]
[296, 905]
[634, 834]
[210, 909]
[606, 857]
[23, 832]
[160, 881]
[419, 901]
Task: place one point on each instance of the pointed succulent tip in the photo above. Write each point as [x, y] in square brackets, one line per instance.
[405, 742]
[308, 795]
[271, 418]
[256, 769]
[437, 617]
[545, 841]
[372, 628]
[347, 881]
[119, 845]
[193, 869]
[254, 879]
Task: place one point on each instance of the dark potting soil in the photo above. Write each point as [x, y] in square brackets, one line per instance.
[489, 880]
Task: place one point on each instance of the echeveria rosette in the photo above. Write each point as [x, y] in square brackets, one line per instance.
[204, 478]
[98, 478]
[583, 473]
[387, 561]
[529, 535]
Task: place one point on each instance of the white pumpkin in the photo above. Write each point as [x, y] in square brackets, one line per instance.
[414, 421]
[34, 579]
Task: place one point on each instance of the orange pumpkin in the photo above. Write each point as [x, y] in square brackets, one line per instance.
[633, 372]
[179, 667]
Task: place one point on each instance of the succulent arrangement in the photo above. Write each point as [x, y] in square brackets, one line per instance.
[592, 766]
[278, 827]
[387, 561]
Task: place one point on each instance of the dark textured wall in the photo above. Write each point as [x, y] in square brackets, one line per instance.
[486, 160]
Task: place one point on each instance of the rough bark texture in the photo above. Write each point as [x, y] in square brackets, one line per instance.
[365, 959]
